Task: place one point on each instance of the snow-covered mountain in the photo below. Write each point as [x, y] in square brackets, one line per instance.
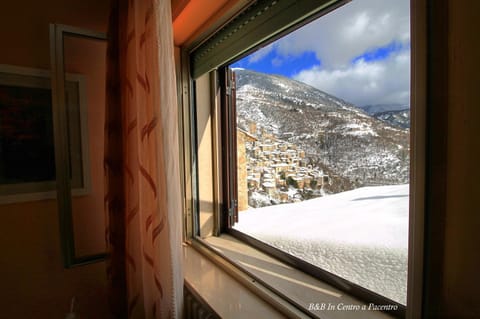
[397, 115]
[351, 146]
[400, 118]
[379, 108]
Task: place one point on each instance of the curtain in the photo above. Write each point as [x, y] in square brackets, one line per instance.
[142, 198]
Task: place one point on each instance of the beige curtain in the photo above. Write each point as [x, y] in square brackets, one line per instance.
[142, 200]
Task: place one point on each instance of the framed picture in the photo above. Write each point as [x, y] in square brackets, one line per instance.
[27, 149]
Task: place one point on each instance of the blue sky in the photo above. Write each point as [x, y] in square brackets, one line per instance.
[380, 53]
[360, 53]
[273, 63]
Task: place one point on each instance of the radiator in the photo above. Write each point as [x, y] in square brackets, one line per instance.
[195, 306]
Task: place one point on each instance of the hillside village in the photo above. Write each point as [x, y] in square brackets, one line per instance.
[272, 171]
[294, 134]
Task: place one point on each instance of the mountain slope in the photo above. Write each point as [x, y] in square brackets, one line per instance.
[400, 118]
[397, 115]
[380, 108]
[353, 147]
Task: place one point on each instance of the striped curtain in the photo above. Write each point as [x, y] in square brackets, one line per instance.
[142, 200]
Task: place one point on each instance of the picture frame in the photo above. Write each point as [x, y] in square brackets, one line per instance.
[27, 147]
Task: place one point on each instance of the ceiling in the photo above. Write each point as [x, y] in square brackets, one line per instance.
[191, 17]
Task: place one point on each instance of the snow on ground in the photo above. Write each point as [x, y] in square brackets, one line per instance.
[360, 235]
[357, 129]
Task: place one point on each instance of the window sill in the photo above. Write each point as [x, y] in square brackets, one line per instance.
[239, 278]
[221, 291]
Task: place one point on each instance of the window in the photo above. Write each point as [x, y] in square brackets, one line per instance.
[79, 247]
[314, 140]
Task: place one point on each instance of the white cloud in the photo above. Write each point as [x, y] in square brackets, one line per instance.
[350, 31]
[260, 54]
[347, 33]
[374, 82]
[342, 36]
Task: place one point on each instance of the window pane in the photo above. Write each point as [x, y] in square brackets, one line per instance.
[85, 67]
[323, 150]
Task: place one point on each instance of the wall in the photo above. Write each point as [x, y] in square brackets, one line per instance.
[34, 282]
[242, 171]
[452, 217]
[461, 279]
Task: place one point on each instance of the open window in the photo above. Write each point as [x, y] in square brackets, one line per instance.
[78, 125]
[308, 164]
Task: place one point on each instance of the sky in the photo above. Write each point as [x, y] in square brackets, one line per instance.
[359, 52]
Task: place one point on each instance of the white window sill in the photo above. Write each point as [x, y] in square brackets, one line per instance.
[223, 293]
[235, 293]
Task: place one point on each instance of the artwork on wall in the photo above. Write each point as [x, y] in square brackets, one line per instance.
[27, 148]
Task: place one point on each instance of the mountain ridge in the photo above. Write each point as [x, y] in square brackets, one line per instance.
[354, 147]
[395, 114]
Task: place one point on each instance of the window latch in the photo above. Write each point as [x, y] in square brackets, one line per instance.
[233, 205]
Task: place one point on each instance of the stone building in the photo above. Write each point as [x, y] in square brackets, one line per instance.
[243, 183]
[270, 167]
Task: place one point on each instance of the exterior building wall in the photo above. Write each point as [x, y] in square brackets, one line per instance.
[242, 172]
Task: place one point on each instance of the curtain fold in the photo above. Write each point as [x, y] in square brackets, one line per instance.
[142, 200]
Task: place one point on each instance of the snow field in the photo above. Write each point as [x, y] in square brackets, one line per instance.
[360, 235]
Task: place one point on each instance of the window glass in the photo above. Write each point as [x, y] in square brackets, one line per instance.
[323, 150]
